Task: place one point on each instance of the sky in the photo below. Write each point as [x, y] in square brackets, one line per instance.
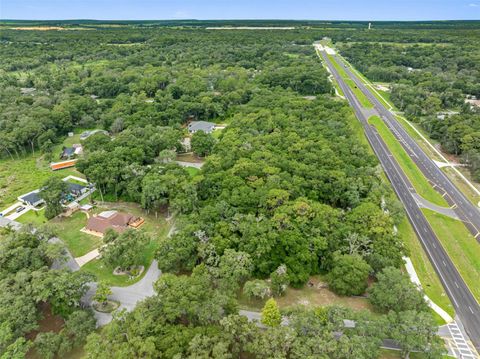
[241, 9]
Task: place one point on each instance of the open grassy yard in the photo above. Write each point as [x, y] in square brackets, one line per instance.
[68, 230]
[428, 277]
[20, 176]
[33, 217]
[316, 295]
[416, 177]
[460, 245]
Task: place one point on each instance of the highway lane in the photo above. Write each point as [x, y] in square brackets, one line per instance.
[465, 210]
[466, 307]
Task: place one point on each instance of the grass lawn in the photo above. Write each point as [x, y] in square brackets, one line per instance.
[428, 277]
[416, 177]
[68, 230]
[105, 273]
[20, 176]
[308, 296]
[155, 226]
[460, 245]
[193, 171]
[33, 217]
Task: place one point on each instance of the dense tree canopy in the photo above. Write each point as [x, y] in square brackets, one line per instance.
[26, 282]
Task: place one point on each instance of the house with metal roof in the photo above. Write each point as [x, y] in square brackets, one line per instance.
[32, 199]
[204, 126]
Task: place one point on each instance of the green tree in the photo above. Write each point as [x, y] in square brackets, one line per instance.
[52, 193]
[271, 316]
[257, 288]
[416, 331]
[47, 344]
[102, 293]
[234, 268]
[79, 325]
[349, 275]
[279, 280]
[17, 350]
[395, 291]
[126, 250]
[202, 143]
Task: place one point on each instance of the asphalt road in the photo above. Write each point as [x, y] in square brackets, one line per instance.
[466, 307]
[466, 211]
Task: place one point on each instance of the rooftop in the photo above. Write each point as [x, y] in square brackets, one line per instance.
[201, 126]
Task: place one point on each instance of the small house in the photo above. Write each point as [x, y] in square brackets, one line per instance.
[67, 153]
[32, 199]
[204, 126]
[119, 222]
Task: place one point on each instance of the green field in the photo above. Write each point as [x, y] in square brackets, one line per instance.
[461, 247]
[20, 176]
[428, 277]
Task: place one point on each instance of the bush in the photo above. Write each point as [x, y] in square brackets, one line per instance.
[258, 289]
[395, 291]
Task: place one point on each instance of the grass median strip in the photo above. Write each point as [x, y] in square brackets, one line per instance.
[350, 83]
[461, 247]
[416, 177]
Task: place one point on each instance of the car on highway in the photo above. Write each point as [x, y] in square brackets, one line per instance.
[19, 209]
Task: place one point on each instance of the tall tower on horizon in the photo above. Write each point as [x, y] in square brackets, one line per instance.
[369, 26]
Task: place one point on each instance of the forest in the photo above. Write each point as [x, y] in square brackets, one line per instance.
[288, 190]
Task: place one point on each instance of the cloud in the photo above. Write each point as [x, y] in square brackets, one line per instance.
[473, 5]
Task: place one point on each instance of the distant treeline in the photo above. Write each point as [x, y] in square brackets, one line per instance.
[451, 24]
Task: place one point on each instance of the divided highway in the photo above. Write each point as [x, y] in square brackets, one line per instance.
[466, 306]
[465, 210]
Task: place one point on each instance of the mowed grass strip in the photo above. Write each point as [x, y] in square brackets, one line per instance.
[416, 177]
[427, 275]
[461, 247]
[350, 83]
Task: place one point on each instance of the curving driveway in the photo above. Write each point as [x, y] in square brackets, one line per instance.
[127, 296]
